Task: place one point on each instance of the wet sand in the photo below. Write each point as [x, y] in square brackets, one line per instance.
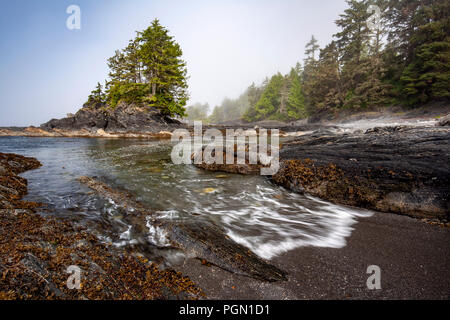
[413, 257]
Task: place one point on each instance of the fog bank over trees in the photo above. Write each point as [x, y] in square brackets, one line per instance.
[404, 60]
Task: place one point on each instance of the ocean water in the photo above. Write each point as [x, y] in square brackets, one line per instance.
[256, 213]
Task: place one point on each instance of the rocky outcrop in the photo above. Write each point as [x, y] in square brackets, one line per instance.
[404, 170]
[36, 251]
[445, 121]
[83, 133]
[243, 167]
[123, 118]
[12, 186]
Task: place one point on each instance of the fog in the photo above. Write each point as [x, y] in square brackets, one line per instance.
[48, 71]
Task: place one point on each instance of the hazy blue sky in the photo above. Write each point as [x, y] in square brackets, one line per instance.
[48, 70]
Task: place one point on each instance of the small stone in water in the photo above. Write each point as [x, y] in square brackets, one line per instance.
[221, 176]
[209, 190]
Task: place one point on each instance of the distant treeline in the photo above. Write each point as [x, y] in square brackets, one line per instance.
[402, 58]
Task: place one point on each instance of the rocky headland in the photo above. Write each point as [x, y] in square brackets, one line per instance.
[102, 121]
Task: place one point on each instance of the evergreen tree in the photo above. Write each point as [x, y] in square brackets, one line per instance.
[198, 112]
[296, 107]
[270, 99]
[254, 94]
[359, 70]
[311, 48]
[310, 60]
[232, 109]
[97, 96]
[149, 72]
[163, 69]
[362, 69]
[132, 62]
[324, 90]
[354, 34]
[427, 76]
[117, 68]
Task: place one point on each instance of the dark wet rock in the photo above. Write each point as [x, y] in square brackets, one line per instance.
[201, 239]
[123, 118]
[12, 186]
[246, 169]
[208, 242]
[242, 167]
[36, 251]
[445, 121]
[400, 169]
[17, 163]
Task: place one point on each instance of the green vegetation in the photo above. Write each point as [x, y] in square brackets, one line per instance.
[426, 51]
[281, 98]
[148, 72]
[230, 109]
[198, 112]
[404, 61]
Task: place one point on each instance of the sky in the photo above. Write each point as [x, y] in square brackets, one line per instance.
[48, 70]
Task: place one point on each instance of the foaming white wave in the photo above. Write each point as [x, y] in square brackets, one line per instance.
[127, 234]
[383, 122]
[126, 239]
[157, 236]
[168, 214]
[270, 232]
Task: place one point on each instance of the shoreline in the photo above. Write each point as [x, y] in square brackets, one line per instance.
[37, 251]
[411, 254]
[413, 258]
[362, 120]
[34, 132]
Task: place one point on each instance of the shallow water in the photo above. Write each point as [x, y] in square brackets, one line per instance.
[255, 213]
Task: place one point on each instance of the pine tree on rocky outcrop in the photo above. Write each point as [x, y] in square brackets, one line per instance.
[163, 68]
[117, 68]
[97, 96]
[149, 72]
